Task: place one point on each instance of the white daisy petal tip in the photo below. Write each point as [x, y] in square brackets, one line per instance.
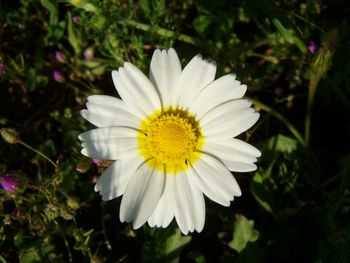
[136, 225]
[83, 113]
[198, 56]
[212, 63]
[258, 153]
[84, 152]
[243, 89]
[105, 198]
[255, 118]
[172, 52]
[114, 73]
[175, 117]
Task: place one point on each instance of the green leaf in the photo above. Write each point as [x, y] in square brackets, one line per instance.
[49, 5]
[165, 245]
[196, 256]
[19, 240]
[159, 8]
[145, 7]
[87, 5]
[290, 35]
[2, 259]
[281, 143]
[174, 245]
[284, 31]
[52, 7]
[29, 255]
[252, 253]
[97, 67]
[262, 196]
[201, 23]
[72, 36]
[244, 232]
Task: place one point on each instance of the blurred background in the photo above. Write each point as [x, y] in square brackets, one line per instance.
[293, 55]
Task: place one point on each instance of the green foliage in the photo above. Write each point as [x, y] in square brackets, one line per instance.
[244, 232]
[73, 37]
[165, 246]
[294, 208]
[289, 35]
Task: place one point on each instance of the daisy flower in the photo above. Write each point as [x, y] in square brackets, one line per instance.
[171, 136]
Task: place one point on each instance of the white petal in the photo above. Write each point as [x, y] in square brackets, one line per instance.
[163, 214]
[236, 127]
[239, 166]
[136, 90]
[231, 109]
[214, 180]
[189, 205]
[237, 155]
[107, 133]
[164, 73]
[110, 150]
[209, 190]
[114, 180]
[195, 76]
[141, 195]
[106, 100]
[104, 111]
[228, 120]
[232, 149]
[109, 143]
[219, 91]
[244, 147]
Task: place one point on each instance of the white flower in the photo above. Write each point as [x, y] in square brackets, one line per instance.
[171, 137]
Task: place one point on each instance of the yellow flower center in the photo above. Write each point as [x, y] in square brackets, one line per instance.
[169, 139]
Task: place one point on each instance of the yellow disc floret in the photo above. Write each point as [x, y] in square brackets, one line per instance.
[169, 139]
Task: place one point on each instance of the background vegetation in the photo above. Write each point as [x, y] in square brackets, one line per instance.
[293, 55]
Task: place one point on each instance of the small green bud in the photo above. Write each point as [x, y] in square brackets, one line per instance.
[10, 135]
[83, 166]
[73, 202]
[84, 4]
[323, 58]
[322, 62]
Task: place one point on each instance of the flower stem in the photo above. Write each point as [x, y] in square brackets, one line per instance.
[165, 33]
[38, 152]
[280, 117]
[310, 102]
[267, 58]
[70, 258]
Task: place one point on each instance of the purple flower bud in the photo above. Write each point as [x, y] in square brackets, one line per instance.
[97, 161]
[312, 47]
[2, 68]
[59, 55]
[75, 19]
[57, 75]
[89, 53]
[17, 214]
[8, 182]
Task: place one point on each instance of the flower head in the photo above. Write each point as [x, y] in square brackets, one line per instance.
[171, 137]
[59, 55]
[58, 76]
[75, 18]
[8, 182]
[97, 161]
[10, 135]
[312, 47]
[89, 53]
[2, 68]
